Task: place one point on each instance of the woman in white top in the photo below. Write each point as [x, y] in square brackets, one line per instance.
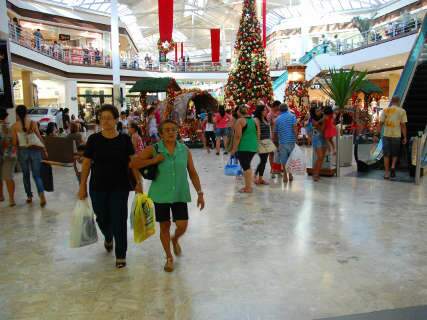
[153, 131]
[29, 156]
[209, 131]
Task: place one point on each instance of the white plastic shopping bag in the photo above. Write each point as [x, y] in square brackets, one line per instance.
[83, 229]
[296, 163]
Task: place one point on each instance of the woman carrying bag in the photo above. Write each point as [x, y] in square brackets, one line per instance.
[27, 138]
[245, 146]
[170, 190]
[266, 145]
[106, 158]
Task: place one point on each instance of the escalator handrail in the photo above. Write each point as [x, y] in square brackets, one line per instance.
[411, 64]
[283, 77]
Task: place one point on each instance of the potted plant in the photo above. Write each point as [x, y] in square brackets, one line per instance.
[339, 85]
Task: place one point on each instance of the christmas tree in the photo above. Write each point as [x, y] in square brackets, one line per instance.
[249, 79]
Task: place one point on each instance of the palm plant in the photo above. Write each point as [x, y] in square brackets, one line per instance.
[339, 85]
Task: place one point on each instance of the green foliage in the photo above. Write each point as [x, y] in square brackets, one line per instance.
[339, 85]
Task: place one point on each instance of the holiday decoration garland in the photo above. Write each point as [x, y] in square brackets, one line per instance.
[166, 46]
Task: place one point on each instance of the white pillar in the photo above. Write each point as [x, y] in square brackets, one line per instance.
[71, 97]
[115, 52]
[224, 47]
[4, 29]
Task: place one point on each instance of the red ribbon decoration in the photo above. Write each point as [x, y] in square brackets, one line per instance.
[165, 20]
[215, 44]
[264, 23]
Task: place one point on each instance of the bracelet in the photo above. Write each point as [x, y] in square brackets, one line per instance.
[200, 192]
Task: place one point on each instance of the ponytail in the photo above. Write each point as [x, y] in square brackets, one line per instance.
[21, 112]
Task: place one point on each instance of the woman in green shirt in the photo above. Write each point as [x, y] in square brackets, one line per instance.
[245, 146]
[170, 190]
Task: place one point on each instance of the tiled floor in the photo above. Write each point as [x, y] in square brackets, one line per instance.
[296, 252]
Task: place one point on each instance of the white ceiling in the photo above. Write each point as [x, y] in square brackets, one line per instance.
[194, 18]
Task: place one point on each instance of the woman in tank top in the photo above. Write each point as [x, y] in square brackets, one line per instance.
[29, 158]
[245, 146]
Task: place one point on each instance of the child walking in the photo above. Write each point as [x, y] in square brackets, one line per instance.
[330, 129]
[209, 132]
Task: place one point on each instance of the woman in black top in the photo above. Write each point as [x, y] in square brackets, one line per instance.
[265, 143]
[107, 155]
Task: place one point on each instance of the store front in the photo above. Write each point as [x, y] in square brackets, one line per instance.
[91, 96]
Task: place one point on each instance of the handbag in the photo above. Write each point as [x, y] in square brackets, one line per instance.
[47, 176]
[150, 172]
[266, 146]
[233, 168]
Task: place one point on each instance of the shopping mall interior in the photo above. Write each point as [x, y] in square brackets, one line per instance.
[134, 122]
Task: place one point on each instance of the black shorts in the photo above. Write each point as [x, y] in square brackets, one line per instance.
[245, 158]
[391, 147]
[163, 210]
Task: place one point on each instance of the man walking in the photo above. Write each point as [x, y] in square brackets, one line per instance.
[285, 136]
[393, 121]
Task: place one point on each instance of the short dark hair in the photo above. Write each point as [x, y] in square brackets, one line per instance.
[276, 103]
[110, 108]
[167, 121]
[283, 107]
[395, 100]
[3, 114]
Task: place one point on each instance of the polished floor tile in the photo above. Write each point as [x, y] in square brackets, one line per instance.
[299, 251]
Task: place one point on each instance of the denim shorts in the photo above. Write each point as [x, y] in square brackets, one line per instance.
[221, 132]
[318, 141]
[285, 151]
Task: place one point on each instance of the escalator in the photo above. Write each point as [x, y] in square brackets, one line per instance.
[279, 86]
[412, 91]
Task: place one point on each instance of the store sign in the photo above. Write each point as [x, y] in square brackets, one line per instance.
[64, 37]
[316, 86]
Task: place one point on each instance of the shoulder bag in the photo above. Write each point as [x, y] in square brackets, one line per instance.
[150, 172]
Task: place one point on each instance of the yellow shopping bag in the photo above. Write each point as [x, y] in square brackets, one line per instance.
[143, 217]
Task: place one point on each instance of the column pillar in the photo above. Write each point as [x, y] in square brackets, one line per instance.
[27, 88]
[224, 47]
[115, 51]
[4, 29]
[71, 97]
[393, 79]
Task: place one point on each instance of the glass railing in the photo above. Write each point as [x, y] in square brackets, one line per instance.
[374, 36]
[95, 58]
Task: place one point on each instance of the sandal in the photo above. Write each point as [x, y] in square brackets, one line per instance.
[176, 247]
[244, 190]
[169, 265]
[108, 246]
[29, 200]
[120, 263]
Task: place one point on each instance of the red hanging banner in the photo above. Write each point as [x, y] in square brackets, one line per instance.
[264, 23]
[165, 20]
[215, 44]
